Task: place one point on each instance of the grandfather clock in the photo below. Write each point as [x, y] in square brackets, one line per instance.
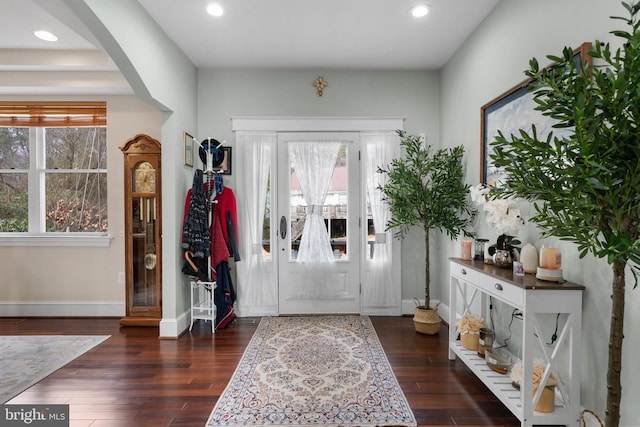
[143, 219]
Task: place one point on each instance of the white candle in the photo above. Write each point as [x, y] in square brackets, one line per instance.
[529, 258]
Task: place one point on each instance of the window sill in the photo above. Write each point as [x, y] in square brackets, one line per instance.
[53, 239]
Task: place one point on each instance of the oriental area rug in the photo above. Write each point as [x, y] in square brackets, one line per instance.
[313, 371]
[25, 360]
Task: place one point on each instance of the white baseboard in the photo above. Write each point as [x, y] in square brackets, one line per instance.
[62, 309]
[409, 307]
[443, 312]
[168, 327]
[256, 311]
[173, 328]
[382, 311]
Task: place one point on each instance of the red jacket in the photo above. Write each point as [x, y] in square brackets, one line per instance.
[226, 208]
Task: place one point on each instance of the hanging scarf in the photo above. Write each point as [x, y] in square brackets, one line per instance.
[195, 232]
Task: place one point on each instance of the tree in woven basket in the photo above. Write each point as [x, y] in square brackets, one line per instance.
[426, 188]
[586, 186]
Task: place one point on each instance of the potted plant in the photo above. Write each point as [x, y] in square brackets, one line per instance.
[586, 186]
[425, 188]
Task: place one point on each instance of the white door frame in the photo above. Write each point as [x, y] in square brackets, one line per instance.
[258, 124]
[345, 273]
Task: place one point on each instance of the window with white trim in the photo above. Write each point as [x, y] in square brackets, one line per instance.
[53, 169]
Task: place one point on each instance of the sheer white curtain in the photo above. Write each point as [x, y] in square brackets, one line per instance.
[256, 285]
[377, 286]
[314, 162]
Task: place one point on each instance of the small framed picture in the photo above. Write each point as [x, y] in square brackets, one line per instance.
[188, 149]
[225, 167]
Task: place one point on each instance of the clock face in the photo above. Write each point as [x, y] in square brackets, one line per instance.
[144, 178]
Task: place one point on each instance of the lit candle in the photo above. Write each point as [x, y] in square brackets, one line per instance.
[465, 249]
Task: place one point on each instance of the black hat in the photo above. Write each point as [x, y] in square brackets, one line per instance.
[216, 150]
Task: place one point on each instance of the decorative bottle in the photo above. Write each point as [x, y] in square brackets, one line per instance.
[529, 258]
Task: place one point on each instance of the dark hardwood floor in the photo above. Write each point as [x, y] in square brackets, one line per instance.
[136, 379]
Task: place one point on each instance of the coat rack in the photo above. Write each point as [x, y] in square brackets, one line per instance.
[203, 305]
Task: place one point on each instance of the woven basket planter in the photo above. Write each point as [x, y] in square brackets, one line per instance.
[426, 320]
[470, 341]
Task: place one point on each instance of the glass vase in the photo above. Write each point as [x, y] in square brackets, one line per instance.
[502, 258]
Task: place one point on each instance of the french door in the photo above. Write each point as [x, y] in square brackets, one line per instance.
[303, 170]
[319, 239]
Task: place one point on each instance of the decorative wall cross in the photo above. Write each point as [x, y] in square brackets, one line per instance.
[320, 84]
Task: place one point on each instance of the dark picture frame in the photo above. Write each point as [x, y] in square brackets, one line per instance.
[188, 149]
[511, 111]
[225, 167]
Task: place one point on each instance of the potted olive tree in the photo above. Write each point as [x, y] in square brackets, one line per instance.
[586, 186]
[426, 188]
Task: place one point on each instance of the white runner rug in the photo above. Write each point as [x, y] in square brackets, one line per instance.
[313, 371]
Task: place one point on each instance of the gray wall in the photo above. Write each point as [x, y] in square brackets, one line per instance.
[491, 61]
[413, 95]
[149, 60]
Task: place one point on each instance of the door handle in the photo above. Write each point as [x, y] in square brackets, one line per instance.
[283, 227]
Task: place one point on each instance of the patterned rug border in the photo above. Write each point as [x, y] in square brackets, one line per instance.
[388, 391]
[30, 358]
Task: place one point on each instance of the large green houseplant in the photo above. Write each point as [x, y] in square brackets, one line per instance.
[586, 186]
[426, 188]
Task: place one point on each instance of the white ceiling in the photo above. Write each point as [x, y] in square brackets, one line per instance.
[346, 34]
[20, 18]
[292, 34]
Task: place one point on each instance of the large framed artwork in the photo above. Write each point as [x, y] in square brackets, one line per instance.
[511, 111]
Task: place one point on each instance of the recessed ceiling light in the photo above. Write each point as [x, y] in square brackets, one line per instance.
[46, 35]
[419, 11]
[215, 9]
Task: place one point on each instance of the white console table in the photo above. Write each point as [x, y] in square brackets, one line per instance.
[535, 298]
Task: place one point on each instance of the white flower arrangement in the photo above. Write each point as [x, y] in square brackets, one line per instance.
[536, 374]
[502, 213]
[470, 324]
